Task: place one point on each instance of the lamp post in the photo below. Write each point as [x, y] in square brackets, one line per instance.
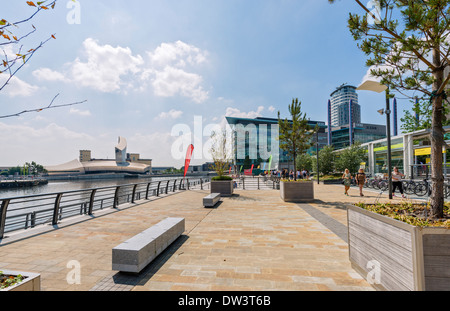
[371, 85]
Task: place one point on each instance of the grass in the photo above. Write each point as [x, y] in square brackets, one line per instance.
[9, 280]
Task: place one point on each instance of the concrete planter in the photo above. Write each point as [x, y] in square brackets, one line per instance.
[30, 283]
[301, 191]
[396, 255]
[224, 187]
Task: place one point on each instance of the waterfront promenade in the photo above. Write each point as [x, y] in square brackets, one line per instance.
[251, 241]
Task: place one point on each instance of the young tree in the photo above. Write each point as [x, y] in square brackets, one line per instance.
[295, 135]
[221, 150]
[305, 161]
[350, 158]
[326, 160]
[419, 117]
[408, 47]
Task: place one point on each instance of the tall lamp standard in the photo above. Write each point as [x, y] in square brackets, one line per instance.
[374, 86]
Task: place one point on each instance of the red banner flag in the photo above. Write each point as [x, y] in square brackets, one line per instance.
[188, 158]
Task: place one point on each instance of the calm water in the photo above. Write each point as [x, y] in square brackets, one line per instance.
[61, 186]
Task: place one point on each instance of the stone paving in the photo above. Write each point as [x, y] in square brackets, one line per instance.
[251, 241]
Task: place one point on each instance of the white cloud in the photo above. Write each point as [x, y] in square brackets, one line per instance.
[84, 113]
[271, 108]
[47, 74]
[116, 69]
[172, 114]
[234, 112]
[49, 145]
[173, 81]
[17, 87]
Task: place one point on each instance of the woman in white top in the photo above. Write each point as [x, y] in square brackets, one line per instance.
[397, 181]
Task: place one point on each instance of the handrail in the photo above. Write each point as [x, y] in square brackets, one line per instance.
[31, 210]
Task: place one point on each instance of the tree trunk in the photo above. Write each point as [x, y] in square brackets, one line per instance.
[437, 140]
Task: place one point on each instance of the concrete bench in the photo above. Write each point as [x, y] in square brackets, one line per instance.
[136, 253]
[211, 200]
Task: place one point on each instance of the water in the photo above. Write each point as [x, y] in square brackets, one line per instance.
[62, 186]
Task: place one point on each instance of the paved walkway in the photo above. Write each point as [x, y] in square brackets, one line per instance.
[251, 241]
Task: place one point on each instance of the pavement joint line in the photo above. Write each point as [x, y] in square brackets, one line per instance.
[329, 222]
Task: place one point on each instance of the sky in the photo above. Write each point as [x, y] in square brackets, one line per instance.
[147, 69]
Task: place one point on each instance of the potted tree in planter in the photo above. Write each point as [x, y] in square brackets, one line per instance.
[406, 246]
[295, 138]
[221, 152]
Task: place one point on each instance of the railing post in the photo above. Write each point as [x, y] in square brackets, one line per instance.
[167, 186]
[91, 202]
[134, 193]
[201, 184]
[33, 219]
[174, 185]
[180, 184]
[187, 183]
[146, 191]
[56, 209]
[116, 197]
[3, 209]
[157, 191]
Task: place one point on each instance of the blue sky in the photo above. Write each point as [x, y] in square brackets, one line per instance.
[145, 67]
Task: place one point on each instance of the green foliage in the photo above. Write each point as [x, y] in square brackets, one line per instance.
[305, 161]
[326, 160]
[9, 280]
[408, 212]
[423, 109]
[222, 178]
[295, 134]
[350, 158]
[221, 151]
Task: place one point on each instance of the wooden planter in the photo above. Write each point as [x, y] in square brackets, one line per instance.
[30, 283]
[224, 187]
[300, 191]
[407, 258]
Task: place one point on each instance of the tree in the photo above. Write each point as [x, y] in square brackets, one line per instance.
[35, 169]
[408, 48]
[305, 161]
[295, 135]
[419, 117]
[350, 158]
[221, 151]
[326, 160]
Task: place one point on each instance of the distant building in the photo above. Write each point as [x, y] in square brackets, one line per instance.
[121, 164]
[340, 100]
[362, 133]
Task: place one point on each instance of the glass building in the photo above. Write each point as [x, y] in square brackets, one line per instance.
[361, 133]
[256, 140]
[340, 100]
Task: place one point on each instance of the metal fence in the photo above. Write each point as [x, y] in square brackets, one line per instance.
[18, 213]
[256, 183]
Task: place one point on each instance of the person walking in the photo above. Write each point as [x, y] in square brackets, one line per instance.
[397, 181]
[347, 177]
[361, 180]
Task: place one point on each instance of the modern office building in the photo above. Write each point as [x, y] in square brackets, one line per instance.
[361, 133]
[256, 140]
[339, 102]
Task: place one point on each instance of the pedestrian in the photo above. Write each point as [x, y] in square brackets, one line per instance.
[298, 174]
[397, 181]
[304, 173]
[347, 177]
[361, 180]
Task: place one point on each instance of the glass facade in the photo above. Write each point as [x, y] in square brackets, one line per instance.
[340, 100]
[256, 139]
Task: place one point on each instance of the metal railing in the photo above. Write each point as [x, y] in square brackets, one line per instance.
[18, 213]
[256, 183]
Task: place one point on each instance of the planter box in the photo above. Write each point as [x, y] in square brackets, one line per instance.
[331, 182]
[302, 191]
[408, 258]
[224, 187]
[30, 283]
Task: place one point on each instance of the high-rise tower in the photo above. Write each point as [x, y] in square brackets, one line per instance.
[339, 102]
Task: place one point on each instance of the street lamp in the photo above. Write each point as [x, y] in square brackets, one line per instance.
[375, 86]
